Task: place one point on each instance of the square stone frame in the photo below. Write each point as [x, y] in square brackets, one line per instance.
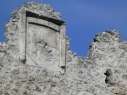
[61, 30]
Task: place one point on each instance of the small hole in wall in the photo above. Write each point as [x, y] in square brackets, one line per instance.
[63, 67]
[53, 85]
[23, 61]
[108, 74]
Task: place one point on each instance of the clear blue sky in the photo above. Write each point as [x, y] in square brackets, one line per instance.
[84, 18]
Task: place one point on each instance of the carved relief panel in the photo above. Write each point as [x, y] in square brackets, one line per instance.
[44, 42]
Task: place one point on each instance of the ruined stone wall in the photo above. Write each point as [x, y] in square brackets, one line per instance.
[51, 67]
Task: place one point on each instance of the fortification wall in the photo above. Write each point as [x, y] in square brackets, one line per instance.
[102, 72]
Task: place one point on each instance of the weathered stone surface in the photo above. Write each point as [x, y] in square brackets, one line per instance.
[36, 59]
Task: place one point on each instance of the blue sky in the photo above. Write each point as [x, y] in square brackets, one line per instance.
[84, 18]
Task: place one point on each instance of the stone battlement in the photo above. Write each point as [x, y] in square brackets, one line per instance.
[107, 36]
[37, 60]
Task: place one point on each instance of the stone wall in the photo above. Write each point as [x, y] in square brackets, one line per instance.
[51, 68]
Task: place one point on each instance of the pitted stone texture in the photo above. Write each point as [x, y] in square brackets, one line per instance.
[110, 60]
[107, 36]
[103, 72]
[42, 9]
